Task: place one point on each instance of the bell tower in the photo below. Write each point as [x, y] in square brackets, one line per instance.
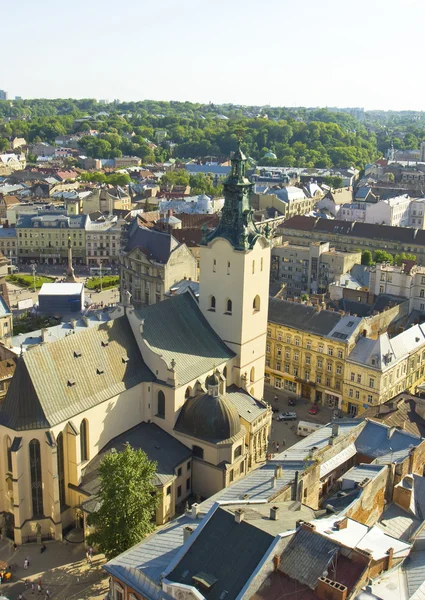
[234, 281]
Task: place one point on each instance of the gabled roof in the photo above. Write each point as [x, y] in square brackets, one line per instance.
[301, 316]
[377, 441]
[57, 381]
[176, 329]
[157, 245]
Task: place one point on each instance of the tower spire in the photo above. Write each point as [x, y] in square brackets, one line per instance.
[70, 277]
[237, 223]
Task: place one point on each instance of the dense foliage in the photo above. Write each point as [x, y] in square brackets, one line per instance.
[297, 137]
[382, 256]
[127, 499]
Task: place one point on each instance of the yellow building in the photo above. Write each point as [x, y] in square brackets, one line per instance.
[43, 237]
[306, 350]
[327, 358]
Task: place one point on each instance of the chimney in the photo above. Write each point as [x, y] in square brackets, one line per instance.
[276, 562]
[274, 513]
[294, 495]
[318, 308]
[195, 511]
[273, 482]
[86, 320]
[278, 471]
[308, 527]
[73, 323]
[44, 334]
[335, 430]
[390, 553]
[239, 515]
[342, 524]
[187, 532]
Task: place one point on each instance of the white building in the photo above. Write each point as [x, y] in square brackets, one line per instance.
[393, 211]
[201, 204]
[406, 280]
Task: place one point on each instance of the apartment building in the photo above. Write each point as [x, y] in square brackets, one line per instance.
[353, 236]
[326, 357]
[43, 237]
[406, 280]
[103, 240]
[393, 211]
[287, 200]
[310, 269]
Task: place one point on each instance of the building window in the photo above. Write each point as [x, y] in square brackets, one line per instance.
[61, 470]
[228, 307]
[329, 367]
[269, 333]
[179, 491]
[308, 345]
[188, 484]
[288, 339]
[256, 303]
[350, 392]
[422, 293]
[228, 268]
[296, 356]
[339, 353]
[119, 593]
[339, 369]
[267, 348]
[278, 366]
[161, 405]
[370, 398]
[279, 336]
[214, 265]
[188, 466]
[253, 267]
[330, 351]
[357, 395]
[8, 443]
[169, 490]
[318, 379]
[36, 481]
[252, 374]
[267, 362]
[307, 375]
[296, 371]
[337, 384]
[371, 383]
[307, 359]
[319, 363]
[320, 348]
[297, 341]
[238, 452]
[198, 452]
[241, 469]
[352, 376]
[84, 440]
[328, 381]
[212, 303]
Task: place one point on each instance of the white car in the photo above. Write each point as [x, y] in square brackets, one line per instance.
[287, 416]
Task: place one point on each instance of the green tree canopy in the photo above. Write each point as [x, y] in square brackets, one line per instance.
[381, 256]
[367, 258]
[128, 499]
[399, 258]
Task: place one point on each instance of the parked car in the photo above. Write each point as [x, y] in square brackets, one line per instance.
[287, 416]
[292, 402]
[314, 409]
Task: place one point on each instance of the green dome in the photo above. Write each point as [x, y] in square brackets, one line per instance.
[209, 418]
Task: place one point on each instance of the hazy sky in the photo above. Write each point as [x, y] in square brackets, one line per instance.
[305, 53]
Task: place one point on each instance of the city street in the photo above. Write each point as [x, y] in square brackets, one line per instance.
[285, 432]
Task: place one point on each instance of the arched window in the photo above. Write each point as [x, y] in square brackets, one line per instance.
[188, 392]
[252, 374]
[8, 444]
[256, 303]
[36, 481]
[212, 303]
[61, 470]
[229, 307]
[84, 446]
[161, 405]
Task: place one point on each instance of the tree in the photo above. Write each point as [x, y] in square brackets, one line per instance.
[367, 258]
[118, 179]
[399, 258]
[127, 498]
[381, 256]
[334, 182]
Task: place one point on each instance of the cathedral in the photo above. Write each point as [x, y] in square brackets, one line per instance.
[181, 379]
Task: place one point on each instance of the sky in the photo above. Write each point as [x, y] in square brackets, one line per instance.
[366, 53]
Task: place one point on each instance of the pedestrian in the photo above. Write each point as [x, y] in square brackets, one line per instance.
[28, 560]
[15, 546]
[25, 564]
[47, 594]
[91, 551]
[275, 398]
[32, 587]
[39, 588]
[277, 447]
[20, 597]
[26, 583]
[283, 443]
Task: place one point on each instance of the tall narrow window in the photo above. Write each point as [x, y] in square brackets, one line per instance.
[261, 264]
[161, 405]
[61, 470]
[84, 446]
[8, 443]
[253, 266]
[188, 392]
[252, 375]
[256, 303]
[212, 303]
[229, 307]
[36, 481]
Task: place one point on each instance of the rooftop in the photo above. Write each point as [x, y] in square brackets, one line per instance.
[61, 289]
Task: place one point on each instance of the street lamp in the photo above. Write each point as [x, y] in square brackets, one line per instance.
[33, 274]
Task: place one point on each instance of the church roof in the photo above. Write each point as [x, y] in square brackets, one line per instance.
[160, 446]
[209, 418]
[157, 245]
[57, 381]
[176, 329]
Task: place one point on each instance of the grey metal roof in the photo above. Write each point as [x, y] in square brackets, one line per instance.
[248, 407]
[414, 567]
[51, 220]
[227, 551]
[300, 316]
[160, 446]
[398, 523]
[157, 245]
[374, 442]
[307, 556]
[176, 329]
[7, 232]
[362, 472]
[54, 382]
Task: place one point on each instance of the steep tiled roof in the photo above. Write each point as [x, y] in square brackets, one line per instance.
[54, 382]
[176, 329]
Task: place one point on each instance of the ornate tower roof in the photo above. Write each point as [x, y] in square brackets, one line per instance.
[236, 223]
